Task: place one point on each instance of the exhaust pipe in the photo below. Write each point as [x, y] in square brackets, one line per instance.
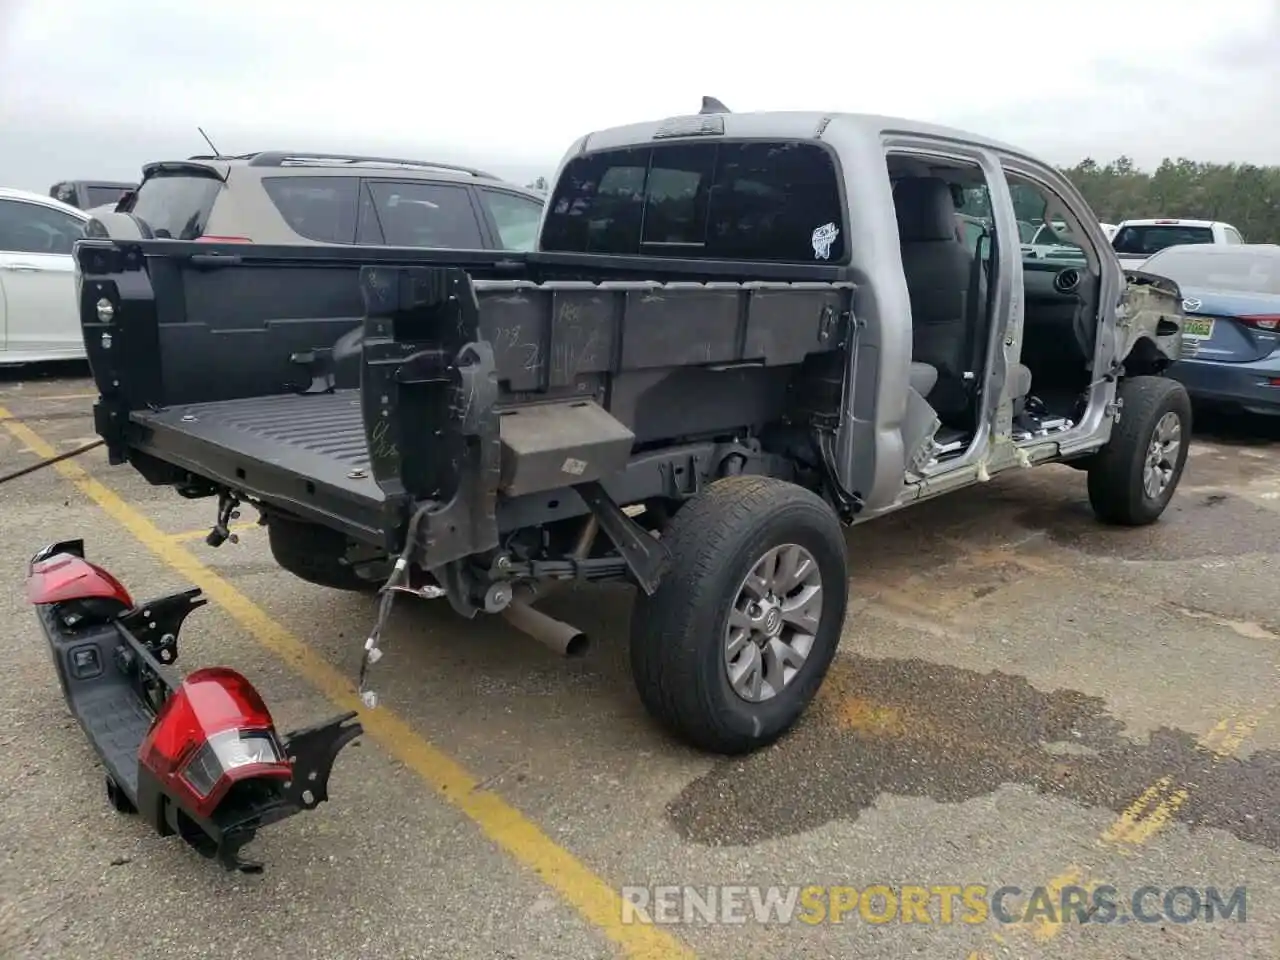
[554, 634]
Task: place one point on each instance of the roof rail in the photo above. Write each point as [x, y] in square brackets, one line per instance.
[279, 158]
[214, 156]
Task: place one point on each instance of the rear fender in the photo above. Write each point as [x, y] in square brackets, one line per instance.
[1150, 310]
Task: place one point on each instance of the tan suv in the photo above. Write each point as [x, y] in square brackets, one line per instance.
[278, 197]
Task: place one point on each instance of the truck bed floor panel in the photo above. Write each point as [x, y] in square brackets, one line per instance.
[316, 439]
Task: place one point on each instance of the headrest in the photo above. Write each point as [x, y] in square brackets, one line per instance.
[925, 209]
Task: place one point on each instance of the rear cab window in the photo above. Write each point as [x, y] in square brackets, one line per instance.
[175, 203]
[764, 201]
[65, 192]
[1151, 238]
[101, 196]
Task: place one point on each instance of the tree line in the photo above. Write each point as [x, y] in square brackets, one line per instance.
[1242, 194]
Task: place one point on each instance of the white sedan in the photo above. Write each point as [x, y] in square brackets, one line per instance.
[39, 312]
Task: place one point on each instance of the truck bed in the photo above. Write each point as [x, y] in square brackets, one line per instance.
[308, 451]
[355, 387]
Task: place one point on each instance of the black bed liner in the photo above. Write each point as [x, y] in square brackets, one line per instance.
[305, 451]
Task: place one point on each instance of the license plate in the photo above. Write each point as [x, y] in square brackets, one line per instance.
[1201, 328]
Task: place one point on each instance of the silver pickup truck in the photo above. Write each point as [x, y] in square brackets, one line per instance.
[738, 334]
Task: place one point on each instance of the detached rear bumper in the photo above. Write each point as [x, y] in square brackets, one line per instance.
[196, 757]
[1249, 385]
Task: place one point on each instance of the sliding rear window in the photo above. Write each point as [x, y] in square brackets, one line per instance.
[776, 201]
[175, 204]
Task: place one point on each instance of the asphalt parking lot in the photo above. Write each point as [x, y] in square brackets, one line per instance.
[1022, 697]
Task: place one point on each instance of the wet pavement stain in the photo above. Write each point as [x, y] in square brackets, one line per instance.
[919, 729]
[1194, 525]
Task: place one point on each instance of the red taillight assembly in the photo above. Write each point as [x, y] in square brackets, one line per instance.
[65, 576]
[223, 240]
[214, 731]
[1262, 321]
[199, 757]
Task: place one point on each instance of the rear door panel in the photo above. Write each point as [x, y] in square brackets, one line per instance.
[40, 315]
[41, 309]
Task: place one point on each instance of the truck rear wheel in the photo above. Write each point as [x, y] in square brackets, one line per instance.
[314, 553]
[730, 650]
[1133, 478]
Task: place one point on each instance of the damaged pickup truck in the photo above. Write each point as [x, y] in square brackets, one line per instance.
[738, 334]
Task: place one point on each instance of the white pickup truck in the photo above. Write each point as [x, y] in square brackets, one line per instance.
[1136, 240]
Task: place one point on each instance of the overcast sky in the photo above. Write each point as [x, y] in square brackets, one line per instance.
[94, 89]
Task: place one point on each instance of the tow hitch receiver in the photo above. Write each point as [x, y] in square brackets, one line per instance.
[198, 757]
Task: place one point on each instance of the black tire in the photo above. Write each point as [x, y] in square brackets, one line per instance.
[313, 553]
[678, 634]
[1116, 490]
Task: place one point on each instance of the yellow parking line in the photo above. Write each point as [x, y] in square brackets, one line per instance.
[68, 396]
[1150, 813]
[1157, 806]
[593, 898]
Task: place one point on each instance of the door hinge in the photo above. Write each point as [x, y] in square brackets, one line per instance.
[1113, 408]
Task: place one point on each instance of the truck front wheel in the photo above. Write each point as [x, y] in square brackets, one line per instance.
[1133, 478]
[733, 645]
[314, 553]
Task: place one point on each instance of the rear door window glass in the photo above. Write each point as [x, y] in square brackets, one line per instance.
[516, 218]
[764, 201]
[31, 228]
[420, 214]
[175, 205]
[318, 208]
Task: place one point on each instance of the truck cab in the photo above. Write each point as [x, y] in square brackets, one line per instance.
[92, 195]
[1136, 240]
[964, 358]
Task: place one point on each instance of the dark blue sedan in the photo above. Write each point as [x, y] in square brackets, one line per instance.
[1231, 335]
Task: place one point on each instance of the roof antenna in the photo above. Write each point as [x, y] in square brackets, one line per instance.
[215, 150]
[712, 105]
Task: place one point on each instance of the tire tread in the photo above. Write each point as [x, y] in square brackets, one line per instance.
[1115, 471]
[664, 649]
